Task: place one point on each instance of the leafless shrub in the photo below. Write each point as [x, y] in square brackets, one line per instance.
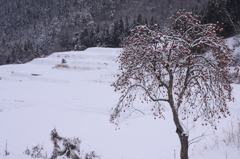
[91, 155]
[36, 152]
[65, 146]
[231, 133]
[27, 151]
[6, 152]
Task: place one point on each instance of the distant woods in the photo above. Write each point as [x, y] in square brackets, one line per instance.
[30, 29]
[225, 13]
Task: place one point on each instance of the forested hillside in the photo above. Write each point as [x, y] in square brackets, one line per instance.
[30, 29]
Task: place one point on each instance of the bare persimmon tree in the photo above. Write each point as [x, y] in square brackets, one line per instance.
[186, 66]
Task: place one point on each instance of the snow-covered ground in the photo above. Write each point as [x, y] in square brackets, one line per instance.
[39, 96]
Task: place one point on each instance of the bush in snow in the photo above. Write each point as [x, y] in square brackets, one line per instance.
[36, 152]
[65, 146]
[68, 148]
[64, 61]
[91, 155]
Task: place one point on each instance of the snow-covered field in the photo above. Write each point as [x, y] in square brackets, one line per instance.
[39, 96]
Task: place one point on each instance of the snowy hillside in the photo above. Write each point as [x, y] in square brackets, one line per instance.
[76, 98]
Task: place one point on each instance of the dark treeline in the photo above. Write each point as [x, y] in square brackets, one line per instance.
[30, 29]
[225, 13]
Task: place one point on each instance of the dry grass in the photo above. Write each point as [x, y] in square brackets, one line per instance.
[231, 133]
[65, 66]
[59, 66]
[230, 136]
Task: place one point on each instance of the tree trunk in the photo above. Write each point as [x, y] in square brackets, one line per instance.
[184, 144]
[179, 128]
[180, 131]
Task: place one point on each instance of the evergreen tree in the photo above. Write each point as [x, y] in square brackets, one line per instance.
[107, 37]
[116, 34]
[146, 21]
[121, 26]
[139, 19]
[152, 23]
[127, 27]
[85, 38]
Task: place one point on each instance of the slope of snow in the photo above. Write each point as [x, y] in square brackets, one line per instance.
[37, 97]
